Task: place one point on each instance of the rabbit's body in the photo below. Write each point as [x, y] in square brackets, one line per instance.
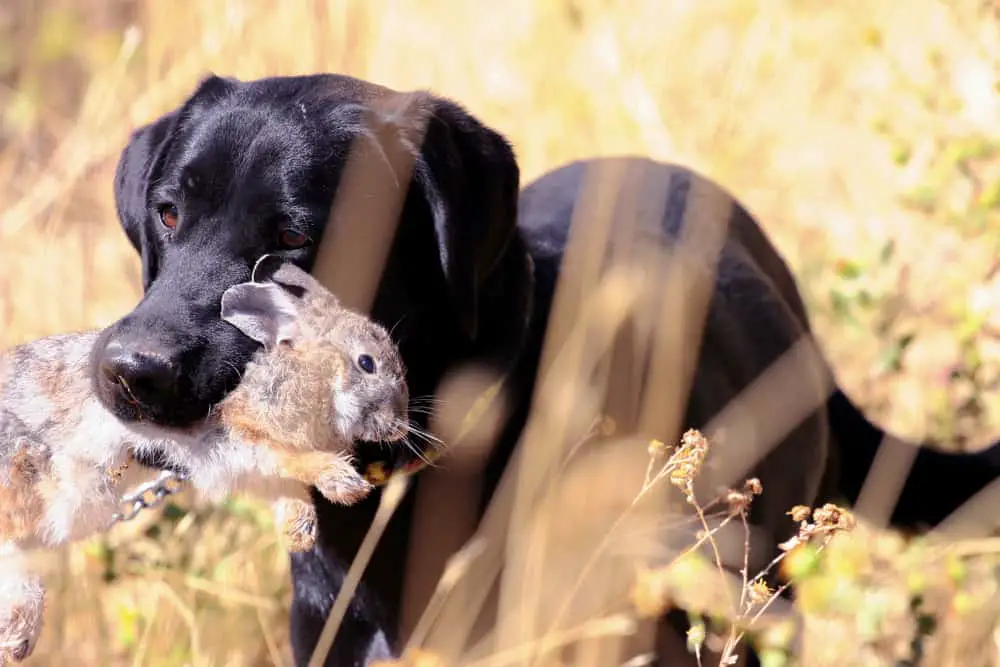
[60, 451]
[65, 460]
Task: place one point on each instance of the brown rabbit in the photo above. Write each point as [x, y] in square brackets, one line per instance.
[64, 459]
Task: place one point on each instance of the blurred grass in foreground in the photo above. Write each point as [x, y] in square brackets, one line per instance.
[863, 136]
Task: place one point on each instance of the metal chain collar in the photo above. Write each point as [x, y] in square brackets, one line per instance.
[148, 495]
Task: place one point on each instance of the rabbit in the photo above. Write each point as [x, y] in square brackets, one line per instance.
[64, 459]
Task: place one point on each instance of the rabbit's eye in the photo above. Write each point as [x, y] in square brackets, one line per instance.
[366, 363]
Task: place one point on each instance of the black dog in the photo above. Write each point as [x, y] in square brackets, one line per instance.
[247, 168]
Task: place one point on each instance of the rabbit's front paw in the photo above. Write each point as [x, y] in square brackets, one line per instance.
[344, 487]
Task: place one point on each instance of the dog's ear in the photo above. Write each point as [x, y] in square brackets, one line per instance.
[142, 159]
[132, 176]
[469, 176]
[263, 311]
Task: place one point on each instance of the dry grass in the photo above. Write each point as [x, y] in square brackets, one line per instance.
[864, 137]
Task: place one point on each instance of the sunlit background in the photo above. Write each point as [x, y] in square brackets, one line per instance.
[864, 135]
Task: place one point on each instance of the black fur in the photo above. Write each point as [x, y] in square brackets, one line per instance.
[242, 160]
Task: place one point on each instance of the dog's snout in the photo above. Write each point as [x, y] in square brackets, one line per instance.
[139, 373]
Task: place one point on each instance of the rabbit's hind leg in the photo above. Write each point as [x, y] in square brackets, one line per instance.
[22, 603]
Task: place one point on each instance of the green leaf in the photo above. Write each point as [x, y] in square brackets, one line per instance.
[773, 657]
[990, 197]
[848, 269]
[887, 252]
[901, 155]
[891, 360]
[873, 37]
[58, 35]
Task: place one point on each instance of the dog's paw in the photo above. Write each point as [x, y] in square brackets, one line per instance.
[297, 519]
[344, 489]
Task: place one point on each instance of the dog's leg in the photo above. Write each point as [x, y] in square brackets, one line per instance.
[22, 603]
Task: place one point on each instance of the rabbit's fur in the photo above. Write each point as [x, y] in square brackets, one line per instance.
[64, 460]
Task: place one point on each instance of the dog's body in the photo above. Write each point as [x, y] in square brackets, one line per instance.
[65, 460]
[247, 168]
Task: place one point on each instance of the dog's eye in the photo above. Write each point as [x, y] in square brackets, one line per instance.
[168, 216]
[291, 239]
[366, 363]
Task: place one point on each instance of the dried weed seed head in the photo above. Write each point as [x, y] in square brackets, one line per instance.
[738, 502]
[826, 520]
[657, 449]
[759, 592]
[799, 513]
[831, 517]
[686, 462]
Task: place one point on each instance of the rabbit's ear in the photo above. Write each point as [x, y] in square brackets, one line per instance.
[262, 311]
[295, 280]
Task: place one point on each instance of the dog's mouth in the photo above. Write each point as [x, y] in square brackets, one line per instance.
[173, 417]
[125, 395]
[124, 401]
[181, 402]
[118, 396]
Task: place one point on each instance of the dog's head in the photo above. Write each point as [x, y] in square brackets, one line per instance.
[244, 169]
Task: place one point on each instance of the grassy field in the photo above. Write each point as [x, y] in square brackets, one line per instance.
[865, 135]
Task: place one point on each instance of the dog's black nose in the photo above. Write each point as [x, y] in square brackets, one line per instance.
[139, 374]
